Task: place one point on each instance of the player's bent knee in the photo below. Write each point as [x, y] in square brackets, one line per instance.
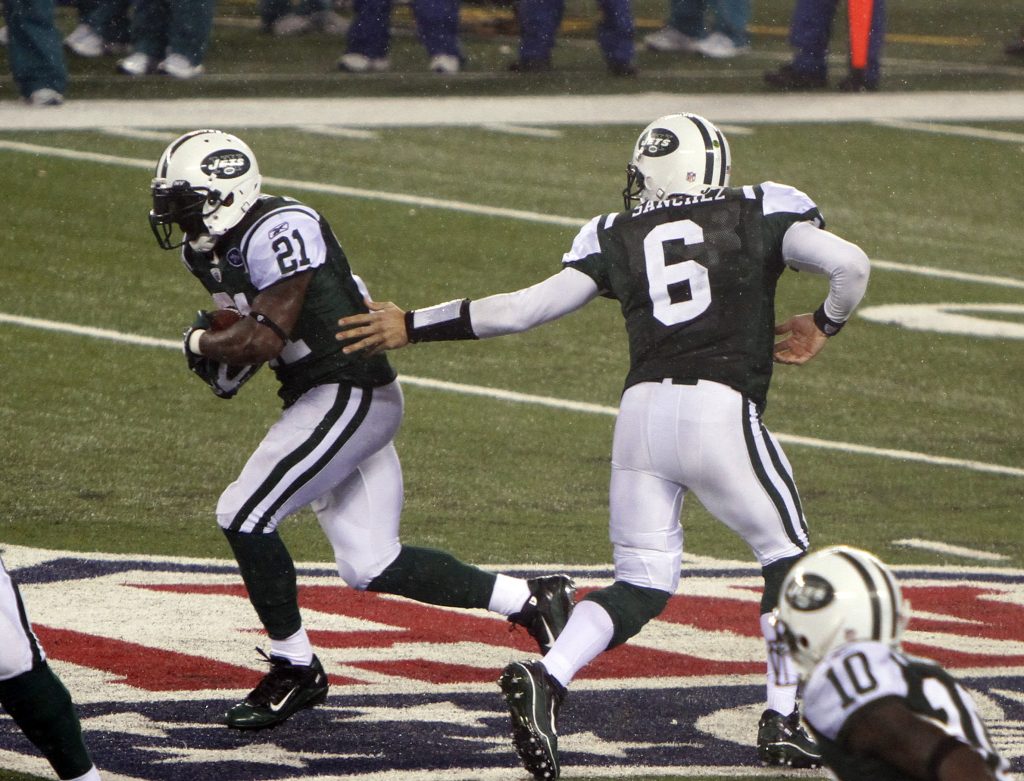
[648, 568]
[359, 571]
[629, 606]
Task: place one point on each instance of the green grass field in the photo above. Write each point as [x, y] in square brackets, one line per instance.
[115, 447]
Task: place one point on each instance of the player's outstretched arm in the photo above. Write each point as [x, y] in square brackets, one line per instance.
[386, 327]
[382, 328]
[802, 340]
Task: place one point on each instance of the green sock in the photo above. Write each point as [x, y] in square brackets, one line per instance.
[435, 577]
[42, 708]
[269, 574]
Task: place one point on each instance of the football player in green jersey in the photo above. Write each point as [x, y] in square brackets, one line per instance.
[878, 714]
[278, 263]
[32, 693]
[693, 264]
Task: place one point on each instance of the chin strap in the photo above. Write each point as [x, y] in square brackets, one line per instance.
[203, 243]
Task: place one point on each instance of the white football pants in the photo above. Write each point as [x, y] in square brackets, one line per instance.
[670, 439]
[19, 647]
[331, 450]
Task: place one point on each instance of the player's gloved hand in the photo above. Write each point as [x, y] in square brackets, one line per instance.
[224, 380]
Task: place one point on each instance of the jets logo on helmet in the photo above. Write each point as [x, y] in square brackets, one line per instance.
[205, 183]
[658, 141]
[835, 596]
[678, 154]
[225, 164]
[809, 593]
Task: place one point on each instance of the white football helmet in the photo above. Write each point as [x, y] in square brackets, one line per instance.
[678, 154]
[835, 596]
[205, 182]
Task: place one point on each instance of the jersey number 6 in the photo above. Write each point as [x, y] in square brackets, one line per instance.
[666, 280]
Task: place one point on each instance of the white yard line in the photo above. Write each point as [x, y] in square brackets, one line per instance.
[546, 110]
[337, 131]
[946, 129]
[530, 131]
[953, 550]
[142, 135]
[527, 398]
[458, 206]
[960, 276]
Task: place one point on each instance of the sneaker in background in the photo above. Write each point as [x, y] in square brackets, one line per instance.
[291, 24]
[719, 46]
[45, 96]
[353, 62]
[178, 66]
[85, 42]
[445, 63]
[136, 64]
[669, 39]
[330, 22]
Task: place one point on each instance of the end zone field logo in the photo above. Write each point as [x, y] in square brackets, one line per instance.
[154, 650]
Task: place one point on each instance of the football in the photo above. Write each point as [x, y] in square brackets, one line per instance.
[222, 319]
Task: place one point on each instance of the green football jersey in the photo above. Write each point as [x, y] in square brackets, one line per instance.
[278, 239]
[695, 277]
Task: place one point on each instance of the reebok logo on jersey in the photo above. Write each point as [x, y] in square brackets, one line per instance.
[225, 164]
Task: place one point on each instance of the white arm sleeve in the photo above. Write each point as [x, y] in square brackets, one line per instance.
[509, 313]
[808, 248]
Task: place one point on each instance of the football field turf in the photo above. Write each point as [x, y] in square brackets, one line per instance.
[903, 433]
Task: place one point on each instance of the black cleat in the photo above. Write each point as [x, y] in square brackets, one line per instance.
[857, 81]
[533, 698]
[789, 79]
[782, 741]
[539, 65]
[286, 689]
[624, 69]
[546, 612]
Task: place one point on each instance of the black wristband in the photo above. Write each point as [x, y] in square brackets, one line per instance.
[944, 747]
[446, 325]
[826, 325]
[262, 319]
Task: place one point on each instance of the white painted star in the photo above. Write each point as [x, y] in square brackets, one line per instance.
[431, 713]
[129, 723]
[250, 753]
[589, 743]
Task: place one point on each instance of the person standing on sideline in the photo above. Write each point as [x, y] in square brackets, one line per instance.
[686, 29]
[694, 265]
[277, 270]
[34, 696]
[169, 37]
[369, 36]
[878, 714]
[35, 52]
[539, 21]
[810, 32]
